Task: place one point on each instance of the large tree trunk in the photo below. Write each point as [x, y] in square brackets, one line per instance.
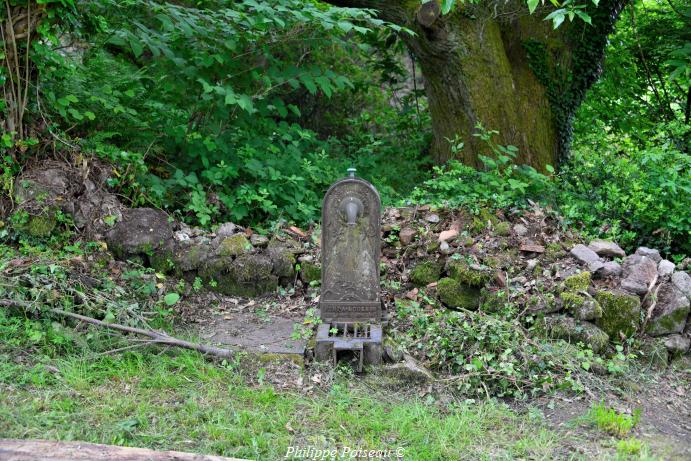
[497, 65]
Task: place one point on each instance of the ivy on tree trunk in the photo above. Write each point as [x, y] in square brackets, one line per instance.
[493, 63]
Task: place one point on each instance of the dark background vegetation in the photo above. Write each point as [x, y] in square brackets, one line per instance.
[247, 111]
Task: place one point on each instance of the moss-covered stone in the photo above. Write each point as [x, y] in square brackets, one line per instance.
[310, 272]
[250, 275]
[283, 261]
[289, 244]
[492, 261]
[39, 225]
[234, 245]
[574, 331]
[190, 258]
[578, 282]
[671, 311]
[492, 300]
[455, 294]
[554, 251]
[142, 231]
[503, 229]
[247, 275]
[670, 322]
[425, 273]
[621, 313]
[163, 259]
[460, 270]
[432, 246]
[581, 307]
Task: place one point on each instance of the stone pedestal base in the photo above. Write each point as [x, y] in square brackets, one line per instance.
[364, 340]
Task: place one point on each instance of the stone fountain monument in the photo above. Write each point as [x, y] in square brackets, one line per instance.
[351, 309]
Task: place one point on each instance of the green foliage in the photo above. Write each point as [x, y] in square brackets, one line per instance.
[488, 355]
[643, 90]
[611, 421]
[635, 195]
[500, 184]
[207, 115]
[611, 187]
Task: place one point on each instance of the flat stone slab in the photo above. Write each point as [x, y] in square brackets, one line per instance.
[253, 332]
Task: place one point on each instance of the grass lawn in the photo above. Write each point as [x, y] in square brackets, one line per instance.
[179, 401]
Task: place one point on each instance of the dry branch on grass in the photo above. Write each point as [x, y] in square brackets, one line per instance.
[157, 337]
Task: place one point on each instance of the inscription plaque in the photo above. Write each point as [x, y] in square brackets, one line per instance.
[350, 252]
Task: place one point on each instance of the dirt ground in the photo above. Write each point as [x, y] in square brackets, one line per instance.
[266, 327]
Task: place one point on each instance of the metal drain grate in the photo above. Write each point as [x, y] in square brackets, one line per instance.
[364, 340]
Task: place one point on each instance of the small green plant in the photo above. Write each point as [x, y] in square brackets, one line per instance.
[305, 329]
[611, 421]
[171, 298]
[633, 449]
[198, 284]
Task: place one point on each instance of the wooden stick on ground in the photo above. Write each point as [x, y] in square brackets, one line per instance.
[48, 450]
[156, 336]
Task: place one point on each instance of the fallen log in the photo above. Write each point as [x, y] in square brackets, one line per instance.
[49, 450]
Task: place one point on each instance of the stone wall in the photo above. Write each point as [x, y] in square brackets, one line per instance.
[590, 292]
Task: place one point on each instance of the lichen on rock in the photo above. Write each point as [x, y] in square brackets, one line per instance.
[578, 282]
[425, 272]
[453, 293]
[460, 270]
[621, 313]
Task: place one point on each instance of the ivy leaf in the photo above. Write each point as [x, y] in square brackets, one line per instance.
[171, 298]
[109, 318]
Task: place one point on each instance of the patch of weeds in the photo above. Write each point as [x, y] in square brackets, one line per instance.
[486, 354]
[632, 449]
[305, 329]
[262, 314]
[611, 421]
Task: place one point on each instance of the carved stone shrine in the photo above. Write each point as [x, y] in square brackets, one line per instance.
[350, 306]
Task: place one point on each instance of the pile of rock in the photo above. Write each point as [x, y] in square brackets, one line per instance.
[592, 293]
[233, 260]
[648, 293]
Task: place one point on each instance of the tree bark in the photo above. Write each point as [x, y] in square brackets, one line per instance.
[496, 65]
